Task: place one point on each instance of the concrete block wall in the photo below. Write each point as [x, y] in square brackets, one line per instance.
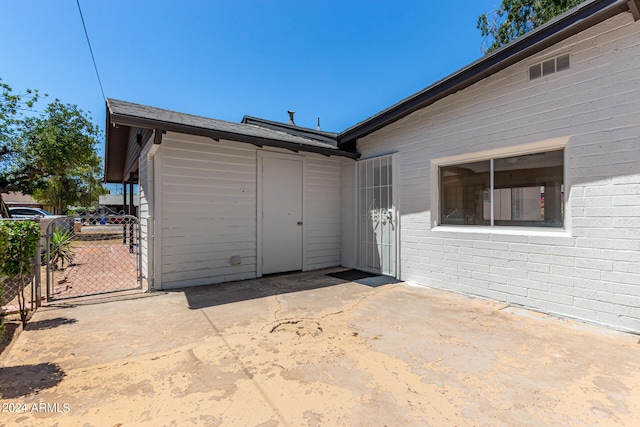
[589, 270]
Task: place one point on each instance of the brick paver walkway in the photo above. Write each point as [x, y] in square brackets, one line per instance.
[96, 269]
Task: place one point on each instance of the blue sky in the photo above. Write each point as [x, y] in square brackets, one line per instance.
[342, 61]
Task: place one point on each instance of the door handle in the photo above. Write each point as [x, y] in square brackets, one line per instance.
[300, 223]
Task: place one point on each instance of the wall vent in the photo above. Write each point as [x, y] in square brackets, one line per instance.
[549, 66]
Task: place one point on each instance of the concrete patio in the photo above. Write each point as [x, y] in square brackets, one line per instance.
[315, 349]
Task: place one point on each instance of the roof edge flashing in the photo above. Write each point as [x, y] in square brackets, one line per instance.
[319, 135]
[162, 127]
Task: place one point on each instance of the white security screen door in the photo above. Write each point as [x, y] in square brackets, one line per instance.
[376, 216]
[281, 215]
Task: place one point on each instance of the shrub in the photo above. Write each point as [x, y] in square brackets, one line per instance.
[18, 254]
[61, 249]
[4, 242]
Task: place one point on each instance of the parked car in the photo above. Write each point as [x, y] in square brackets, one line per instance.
[116, 219]
[25, 212]
[45, 217]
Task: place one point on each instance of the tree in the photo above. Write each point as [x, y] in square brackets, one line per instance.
[62, 141]
[514, 18]
[12, 108]
[77, 187]
[53, 157]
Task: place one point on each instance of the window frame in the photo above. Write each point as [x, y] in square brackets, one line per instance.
[513, 151]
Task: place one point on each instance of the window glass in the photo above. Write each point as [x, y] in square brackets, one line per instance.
[463, 192]
[20, 212]
[528, 190]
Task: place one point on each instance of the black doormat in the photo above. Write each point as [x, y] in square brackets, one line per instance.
[352, 275]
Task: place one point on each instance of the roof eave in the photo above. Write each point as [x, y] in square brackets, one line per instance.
[112, 164]
[134, 121]
[560, 28]
[106, 141]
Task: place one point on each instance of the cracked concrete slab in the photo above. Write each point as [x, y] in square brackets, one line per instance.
[313, 349]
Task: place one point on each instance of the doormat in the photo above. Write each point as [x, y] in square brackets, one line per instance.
[352, 275]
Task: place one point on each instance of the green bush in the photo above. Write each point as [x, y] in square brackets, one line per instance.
[4, 242]
[17, 255]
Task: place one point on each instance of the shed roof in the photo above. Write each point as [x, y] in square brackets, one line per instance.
[570, 23]
[320, 135]
[123, 115]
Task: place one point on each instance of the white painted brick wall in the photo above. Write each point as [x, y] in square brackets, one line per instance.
[591, 270]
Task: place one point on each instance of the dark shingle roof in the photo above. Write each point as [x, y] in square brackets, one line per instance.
[122, 116]
[320, 135]
[143, 116]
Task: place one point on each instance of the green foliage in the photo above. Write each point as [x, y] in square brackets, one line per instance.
[18, 254]
[81, 186]
[12, 108]
[54, 157]
[514, 18]
[60, 248]
[4, 241]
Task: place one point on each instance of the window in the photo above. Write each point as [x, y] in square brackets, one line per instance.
[525, 190]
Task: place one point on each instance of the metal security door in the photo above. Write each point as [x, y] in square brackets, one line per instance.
[376, 216]
[281, 214]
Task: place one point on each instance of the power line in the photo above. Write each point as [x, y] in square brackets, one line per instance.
[90, 50]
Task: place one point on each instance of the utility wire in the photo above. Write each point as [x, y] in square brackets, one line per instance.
[90, 50]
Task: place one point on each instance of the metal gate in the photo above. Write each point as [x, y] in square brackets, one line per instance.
[376, 216]
[91, 255]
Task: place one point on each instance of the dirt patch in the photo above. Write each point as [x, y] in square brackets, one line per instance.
[298, 327]
[11, 328]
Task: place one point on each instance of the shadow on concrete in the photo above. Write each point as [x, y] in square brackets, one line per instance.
[276, 284]
[364, 278]
[108, 297]
[10, 329]
[49, 323]
[20, 381]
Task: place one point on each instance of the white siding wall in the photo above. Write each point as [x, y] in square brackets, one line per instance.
[143, 210]
[348, 210]
[592, 270]
[208, 210]
[322, 216]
